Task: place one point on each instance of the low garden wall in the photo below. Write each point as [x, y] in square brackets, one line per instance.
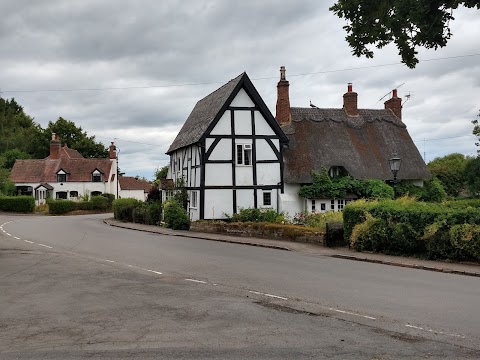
[262, 230]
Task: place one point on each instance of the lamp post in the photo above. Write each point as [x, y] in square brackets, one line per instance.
[118, 169]
[394, 163]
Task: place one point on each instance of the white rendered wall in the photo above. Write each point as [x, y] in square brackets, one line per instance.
[244, 175]
[218, 174]
[132, 194]
[243, 122]
[268, 174]
[290, 202]
[274, 202]
[264, 150]
[261, 125]
[217, 203]
[242, 99]
[223, 150]
[245, 199]
[223, 126]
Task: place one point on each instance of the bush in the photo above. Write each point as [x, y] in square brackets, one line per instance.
[175, 216]
[258, 215]
[154, 213]
[318, 220]
[59, 207]
[84, 205]
[110, 197]
[100, 203]
[405, 226]
[123, 209]
[23, 204]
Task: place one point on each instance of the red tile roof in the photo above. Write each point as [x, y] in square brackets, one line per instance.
[71, 161]
[131, 183]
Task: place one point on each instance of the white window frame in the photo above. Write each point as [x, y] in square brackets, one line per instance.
[194, 199]
[240, 157]
[313, 205]
[96, 174]
[340, 204]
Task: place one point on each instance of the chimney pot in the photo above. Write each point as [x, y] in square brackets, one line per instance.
[112, 151]
[350, 87]
[55, 147]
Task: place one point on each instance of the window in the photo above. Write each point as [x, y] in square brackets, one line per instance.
[267, 199]
[313, 205]
[96, 193]
[96, 176]
[332, 205]
[73, 193]
[340, 204]
[61, 195]
[168, 194]
[61, 178]
[244, 154]
[323, 206]
[193, 201]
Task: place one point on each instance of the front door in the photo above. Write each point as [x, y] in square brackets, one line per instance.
[40, 196]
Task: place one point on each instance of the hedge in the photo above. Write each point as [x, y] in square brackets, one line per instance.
[59, 207]
[123, 209]
[436, 231]
[23, 204]
[175, 216]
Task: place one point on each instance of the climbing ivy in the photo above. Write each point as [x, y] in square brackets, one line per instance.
[325, 187]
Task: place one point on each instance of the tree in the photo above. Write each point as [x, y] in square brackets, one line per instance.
[161, 173]
[450, 171]
[472, 175]
[476, 131]
[407, 23]
[10, 156]
[74, 137]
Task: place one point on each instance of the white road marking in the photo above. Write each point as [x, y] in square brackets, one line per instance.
[354, 314]
[434, 331]
[7, 234]
[197, 281]
[28, 241]
[45, 246]
[269, 295]
[414, 327]
[110, 261]
[16, 237]
[153, 271]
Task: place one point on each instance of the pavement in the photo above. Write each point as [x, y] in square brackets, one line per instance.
[468, 269]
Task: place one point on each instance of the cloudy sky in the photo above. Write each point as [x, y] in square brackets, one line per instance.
[133, 70]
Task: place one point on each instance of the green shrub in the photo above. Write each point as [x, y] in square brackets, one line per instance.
[23, 204]
[154, 212]
[110, 197]
[405, 226]
[59, 207]
[123, 209]
[318, 220]
[175, 216]
[259, 215]
[100, 202]
[84, 205]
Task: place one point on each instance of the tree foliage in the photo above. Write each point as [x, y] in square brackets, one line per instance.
[161, 173]
[450, 171]
[407, 23]
[472, 176]
[476, 131]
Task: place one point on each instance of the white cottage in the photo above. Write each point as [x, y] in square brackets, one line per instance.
[229, 153]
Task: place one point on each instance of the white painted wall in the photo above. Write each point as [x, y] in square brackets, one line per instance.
[268, 174]
[290, 202]
[217, 203]
[244, 175]
[261, 125]
[133, 194]
[243, 122]
[223, 150]
[242, 99]
[264, 150]
[218, 174]
[223, 125]
[245, 199]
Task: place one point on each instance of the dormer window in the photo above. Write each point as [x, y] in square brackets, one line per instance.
[96, 176]
[61, 176]
[337, 171]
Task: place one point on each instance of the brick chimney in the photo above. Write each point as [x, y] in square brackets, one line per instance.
[283, 115]
[395, 104]
[55, 147]
[350, 101]
[112, 151]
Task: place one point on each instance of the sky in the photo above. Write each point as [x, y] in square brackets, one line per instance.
[132, 71]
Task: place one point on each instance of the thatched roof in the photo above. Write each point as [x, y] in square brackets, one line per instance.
[363, 144]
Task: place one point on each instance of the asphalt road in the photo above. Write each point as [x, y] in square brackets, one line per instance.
[220, 298]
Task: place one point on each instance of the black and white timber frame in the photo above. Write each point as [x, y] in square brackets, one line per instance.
[229, 153]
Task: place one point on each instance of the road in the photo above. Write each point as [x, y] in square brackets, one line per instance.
[433, 313]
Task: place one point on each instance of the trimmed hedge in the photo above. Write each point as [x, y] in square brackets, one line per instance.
[59, 207]
[123, 209]
[436, 231]
[23, 204]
